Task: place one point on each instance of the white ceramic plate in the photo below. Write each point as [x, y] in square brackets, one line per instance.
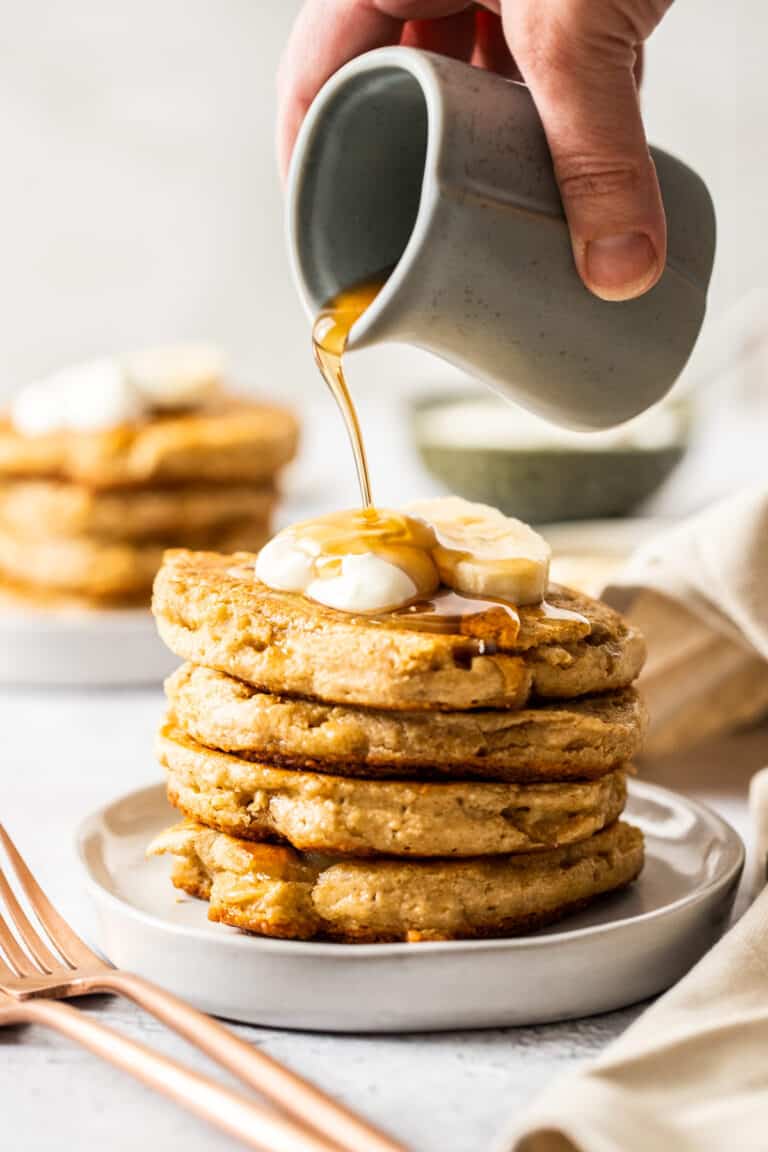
[625, 948]
[76, 647]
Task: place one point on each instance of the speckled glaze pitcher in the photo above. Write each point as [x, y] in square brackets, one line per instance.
[441, 172]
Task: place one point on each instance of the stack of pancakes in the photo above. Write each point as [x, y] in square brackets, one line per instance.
[85, 516]
[360, 781]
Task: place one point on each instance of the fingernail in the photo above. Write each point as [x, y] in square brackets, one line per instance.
[620, 267]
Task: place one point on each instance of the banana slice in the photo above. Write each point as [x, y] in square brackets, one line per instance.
[482, 552]
[177, 376]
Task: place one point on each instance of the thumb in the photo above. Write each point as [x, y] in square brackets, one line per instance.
[578, 60]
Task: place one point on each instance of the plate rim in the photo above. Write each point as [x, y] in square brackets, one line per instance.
[13, 620]
[99, 893]
[606, 534]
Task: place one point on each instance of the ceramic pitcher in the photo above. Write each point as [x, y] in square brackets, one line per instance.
[440, 173]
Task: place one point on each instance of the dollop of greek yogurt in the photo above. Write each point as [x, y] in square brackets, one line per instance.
[366, 583]
[360, 582]
[106, 393]
[284, 565]
[87, 397]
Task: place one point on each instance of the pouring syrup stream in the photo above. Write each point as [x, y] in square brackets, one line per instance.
[330, 334]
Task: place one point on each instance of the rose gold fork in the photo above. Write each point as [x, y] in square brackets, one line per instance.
[31, 975]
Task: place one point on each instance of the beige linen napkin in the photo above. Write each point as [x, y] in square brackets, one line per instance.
[699, 593]
[691, 1074]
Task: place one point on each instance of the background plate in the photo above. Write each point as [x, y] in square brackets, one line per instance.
[76, 647]
[588, 554]
[625, 948]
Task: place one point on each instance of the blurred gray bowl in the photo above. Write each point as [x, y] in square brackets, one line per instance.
[485, 449]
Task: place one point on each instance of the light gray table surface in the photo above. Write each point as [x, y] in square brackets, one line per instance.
[64, 753]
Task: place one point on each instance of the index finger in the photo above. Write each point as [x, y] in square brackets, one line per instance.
[329, 33]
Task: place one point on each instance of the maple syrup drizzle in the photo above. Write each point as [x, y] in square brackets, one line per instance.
[486, 626]
[554, 612]
[401, 540]
[451, 613]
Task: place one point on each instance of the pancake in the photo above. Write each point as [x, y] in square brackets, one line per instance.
[323, 813]
[576, 740]
[98, 569]
[212, 610]
[275, 891]
[60, 508]
[230, 440]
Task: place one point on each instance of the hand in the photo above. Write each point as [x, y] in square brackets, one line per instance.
[580, 59]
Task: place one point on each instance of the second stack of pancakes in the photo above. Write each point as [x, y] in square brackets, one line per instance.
[86, 514]
[356, 781]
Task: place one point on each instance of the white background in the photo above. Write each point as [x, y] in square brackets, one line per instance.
[140, 200]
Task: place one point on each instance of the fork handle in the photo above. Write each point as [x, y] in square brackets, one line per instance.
[250, 1065]
[244, 1119]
